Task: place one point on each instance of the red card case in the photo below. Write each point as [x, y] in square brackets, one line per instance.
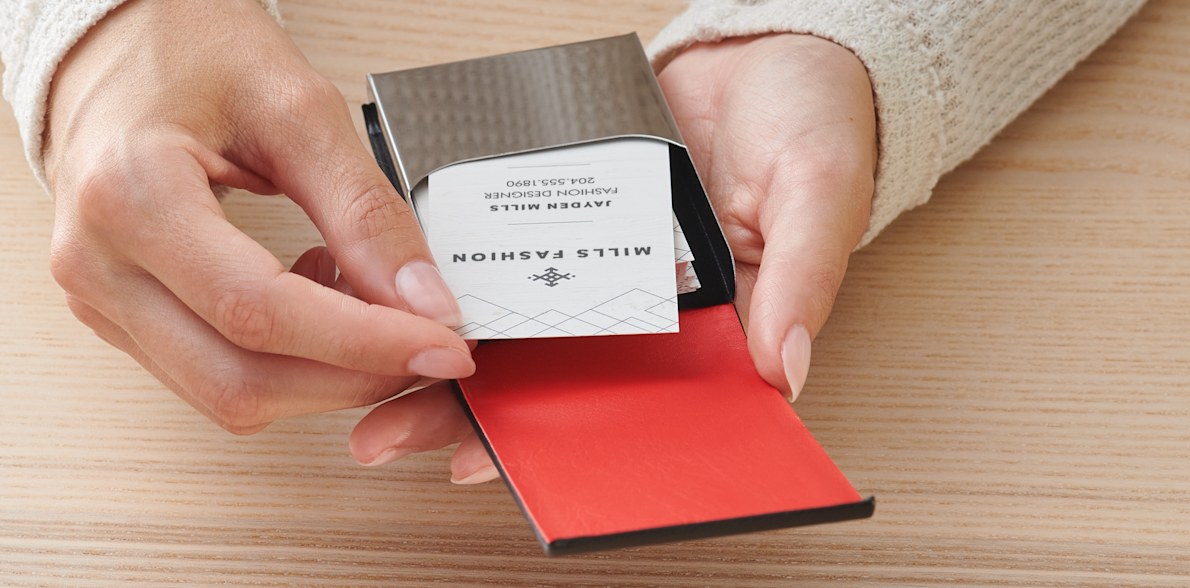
[627, 440]
[622, 440]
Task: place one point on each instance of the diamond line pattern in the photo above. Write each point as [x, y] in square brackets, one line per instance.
[633, 312]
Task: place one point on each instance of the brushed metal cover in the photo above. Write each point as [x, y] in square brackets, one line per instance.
[444, 114]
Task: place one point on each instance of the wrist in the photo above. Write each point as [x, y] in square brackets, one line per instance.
[799, 50]
[148, 64]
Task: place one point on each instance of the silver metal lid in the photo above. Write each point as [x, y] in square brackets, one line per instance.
[439, 115]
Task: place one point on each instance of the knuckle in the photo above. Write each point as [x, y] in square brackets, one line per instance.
[236, 400]
[351, 347]
[112, 187]
[373, 388]
[740, 221]
[69, 264]
[245, 317]
[305, 98]
[376, 211]
[374, 392]
[85, 313]
[315, 91]
[102, 196]
[305, 114]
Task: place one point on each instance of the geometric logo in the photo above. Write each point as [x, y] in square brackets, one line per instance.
[550, 277]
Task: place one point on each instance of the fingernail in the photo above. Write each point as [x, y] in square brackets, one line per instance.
[325, 268]
[441, 362]
[388, 455]
[420, 285]
[487, 473]
[795, 356]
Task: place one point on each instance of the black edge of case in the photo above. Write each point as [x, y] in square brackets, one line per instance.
[458, 390]
[379, 148]
[712, 257]
[752, 524]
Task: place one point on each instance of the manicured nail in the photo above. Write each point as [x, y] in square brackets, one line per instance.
[795, 355]
[441, 362]
[420, 285]
[388, 455]
[487, 473]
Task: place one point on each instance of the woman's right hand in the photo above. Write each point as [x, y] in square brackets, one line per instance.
[157, 104]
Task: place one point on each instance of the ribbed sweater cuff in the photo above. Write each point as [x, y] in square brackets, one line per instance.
[35, 43]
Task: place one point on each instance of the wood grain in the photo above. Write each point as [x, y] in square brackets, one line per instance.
[1006, 369]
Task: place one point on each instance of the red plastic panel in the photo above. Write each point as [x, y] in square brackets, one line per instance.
[609, 435]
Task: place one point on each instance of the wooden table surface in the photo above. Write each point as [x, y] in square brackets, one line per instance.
[1007, 370]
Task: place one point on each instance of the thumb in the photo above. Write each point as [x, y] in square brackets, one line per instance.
[808, 238]
[370, 230]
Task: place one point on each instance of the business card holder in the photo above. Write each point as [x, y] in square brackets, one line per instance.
[612, 441]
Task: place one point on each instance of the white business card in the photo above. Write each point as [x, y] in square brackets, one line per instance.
[572, 241]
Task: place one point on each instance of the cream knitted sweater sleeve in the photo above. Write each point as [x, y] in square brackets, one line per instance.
[947, 74]
[34, 36]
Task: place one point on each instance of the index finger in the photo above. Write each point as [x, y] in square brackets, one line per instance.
[372, 233]
[238, 287]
